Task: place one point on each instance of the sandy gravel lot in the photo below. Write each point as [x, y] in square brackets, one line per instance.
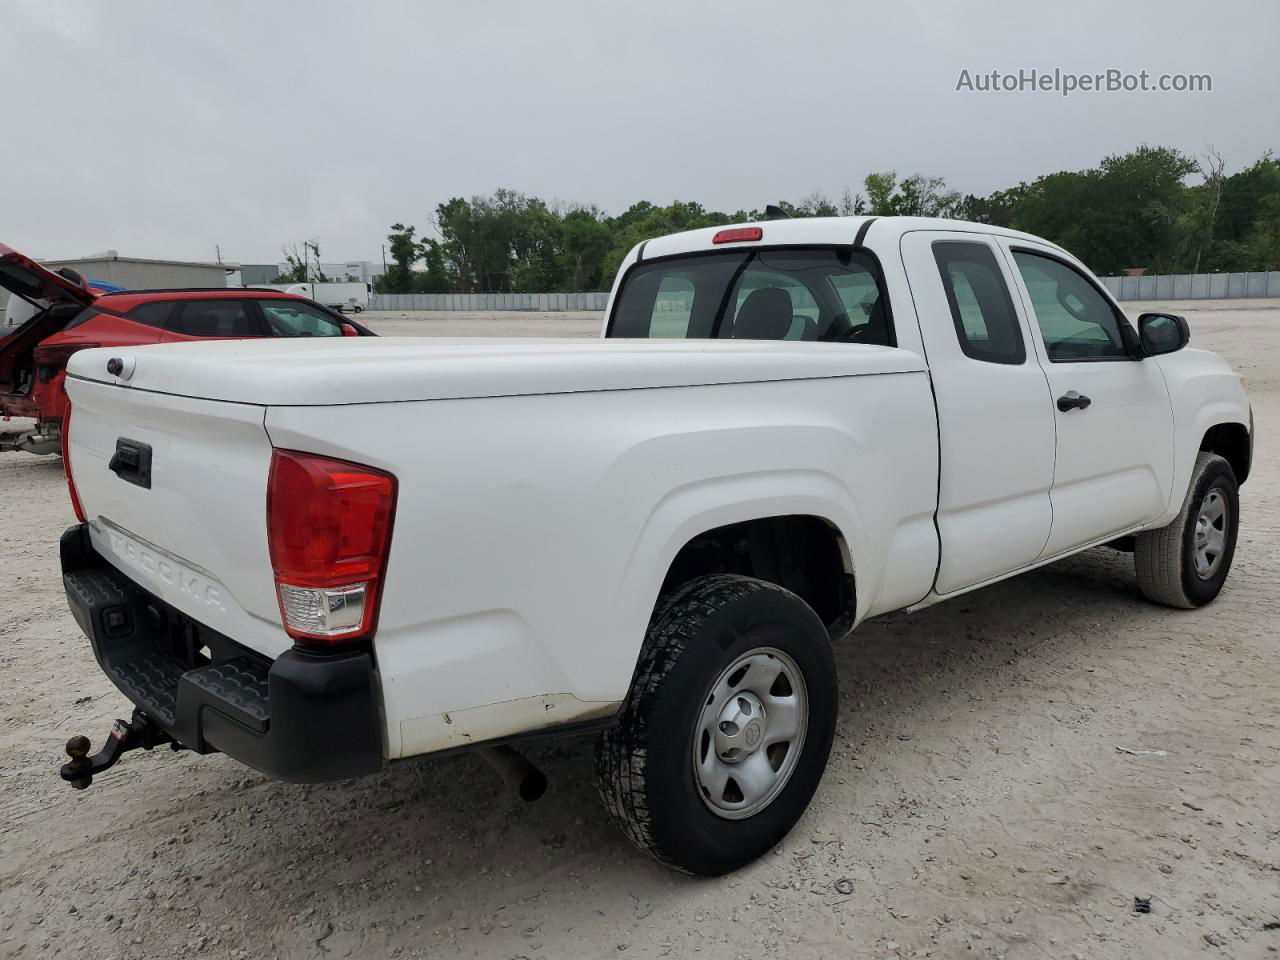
[976, 804]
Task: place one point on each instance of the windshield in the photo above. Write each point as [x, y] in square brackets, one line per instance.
[766, 294]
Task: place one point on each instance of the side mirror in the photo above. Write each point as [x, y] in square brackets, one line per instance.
[349, 331]
[1162, 333]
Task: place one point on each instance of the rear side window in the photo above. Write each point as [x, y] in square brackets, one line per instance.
[288, 319]
[793, 293]
[981, 307]
[152, 314]
[213, 318]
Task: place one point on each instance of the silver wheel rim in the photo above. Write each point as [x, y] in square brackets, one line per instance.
[750, 733]
[1210, 538]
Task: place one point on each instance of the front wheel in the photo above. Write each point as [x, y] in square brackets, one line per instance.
[1186, 563]
[727, 728]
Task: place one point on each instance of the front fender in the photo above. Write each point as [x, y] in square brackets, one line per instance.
[1204, 392]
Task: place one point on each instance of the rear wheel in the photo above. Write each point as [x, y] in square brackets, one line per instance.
[727, 729]
[1186, 563]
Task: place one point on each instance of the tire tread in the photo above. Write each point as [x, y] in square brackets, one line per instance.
[1158, 556]
[620, 756]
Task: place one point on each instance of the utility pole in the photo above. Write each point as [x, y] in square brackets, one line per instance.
[314, 246]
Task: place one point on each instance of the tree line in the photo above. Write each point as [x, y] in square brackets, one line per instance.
[1154, 208]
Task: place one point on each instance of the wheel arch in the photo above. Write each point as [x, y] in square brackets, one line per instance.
[805, 553]
[1233, 441]
[1209, 407]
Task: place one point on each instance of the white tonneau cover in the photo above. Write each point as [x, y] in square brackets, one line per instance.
[343, 370]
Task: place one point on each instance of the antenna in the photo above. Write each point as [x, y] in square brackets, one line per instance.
[774, 212]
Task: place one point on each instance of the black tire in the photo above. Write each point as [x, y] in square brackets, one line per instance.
[645, 766]
[1165, 558]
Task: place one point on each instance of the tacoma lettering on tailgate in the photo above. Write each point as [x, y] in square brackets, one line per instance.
[163, 569]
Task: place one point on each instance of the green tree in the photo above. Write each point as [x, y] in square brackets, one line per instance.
[585, 239]
[915, 196]
[435, 278]
[1245, 236]
[656, 221]
[879, 187]
[296, 271]
[405, 252]
[1131, 210]
[1124, 213]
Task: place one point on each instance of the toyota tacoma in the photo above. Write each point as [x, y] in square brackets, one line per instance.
[320, 556]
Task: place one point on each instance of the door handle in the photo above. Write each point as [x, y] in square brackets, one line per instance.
[131, 462]
[1073, 401]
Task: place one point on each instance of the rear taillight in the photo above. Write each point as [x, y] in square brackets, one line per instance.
[66, 463]
[328, 530]
[57, 354]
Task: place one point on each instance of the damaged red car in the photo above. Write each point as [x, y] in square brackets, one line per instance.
[70, 315]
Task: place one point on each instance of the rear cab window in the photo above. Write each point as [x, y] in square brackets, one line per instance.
[825, 294]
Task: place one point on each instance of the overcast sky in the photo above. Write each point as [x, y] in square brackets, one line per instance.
[163, 128]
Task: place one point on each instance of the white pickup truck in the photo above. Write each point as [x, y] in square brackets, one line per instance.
[318, 556]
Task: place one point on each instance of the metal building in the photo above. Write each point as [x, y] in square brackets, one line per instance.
[256, 274]
[137, 273]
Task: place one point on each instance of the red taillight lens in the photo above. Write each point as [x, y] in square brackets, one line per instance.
[66, 464]
[57, 354]
[738, 235]
[328, 530]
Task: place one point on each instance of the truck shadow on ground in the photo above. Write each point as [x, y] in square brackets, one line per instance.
[442, 838]
[440, 848]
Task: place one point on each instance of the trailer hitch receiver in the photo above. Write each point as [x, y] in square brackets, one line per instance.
[138, 733]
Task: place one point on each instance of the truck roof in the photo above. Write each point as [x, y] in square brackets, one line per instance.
[877, 233]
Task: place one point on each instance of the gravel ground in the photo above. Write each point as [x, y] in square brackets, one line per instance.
[978, 803]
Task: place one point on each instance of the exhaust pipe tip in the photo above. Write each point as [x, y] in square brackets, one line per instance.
[516, 771]
[533, 785]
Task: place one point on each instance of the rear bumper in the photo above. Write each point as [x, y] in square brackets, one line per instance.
[302, 717]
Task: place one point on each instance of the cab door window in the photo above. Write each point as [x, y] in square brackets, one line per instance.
[1076, 321]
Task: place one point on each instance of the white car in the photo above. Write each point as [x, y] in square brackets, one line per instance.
[321, 556]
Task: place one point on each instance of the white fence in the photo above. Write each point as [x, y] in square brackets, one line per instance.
[1195, 286]
[479, 302]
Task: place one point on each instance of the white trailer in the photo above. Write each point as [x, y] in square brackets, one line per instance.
[343, 297]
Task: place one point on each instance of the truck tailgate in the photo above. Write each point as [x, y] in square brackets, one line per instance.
[192, 530]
